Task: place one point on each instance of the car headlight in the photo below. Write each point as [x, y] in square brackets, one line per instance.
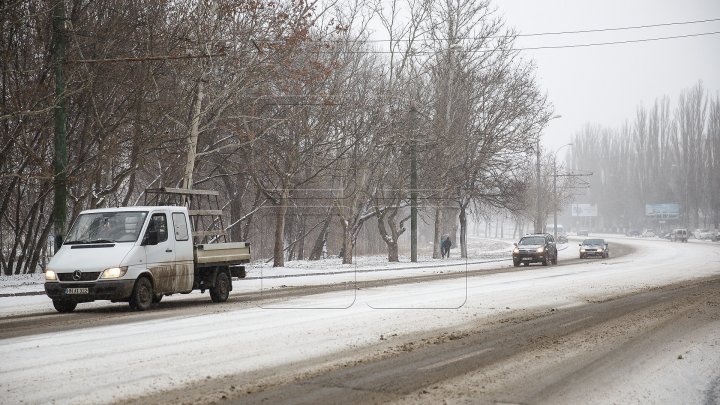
[600, 250]
[582, 250]
[516, 251]
[114, 272]
[50, 275]
[540, 250]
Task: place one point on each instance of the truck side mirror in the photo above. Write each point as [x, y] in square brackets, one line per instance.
[151, 238]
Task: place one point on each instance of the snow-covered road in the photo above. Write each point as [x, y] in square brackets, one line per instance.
[134, 358]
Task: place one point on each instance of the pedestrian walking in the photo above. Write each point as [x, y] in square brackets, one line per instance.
[445, 245]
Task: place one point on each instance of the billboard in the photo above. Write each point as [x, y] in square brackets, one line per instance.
[584, 210]
[662, 211]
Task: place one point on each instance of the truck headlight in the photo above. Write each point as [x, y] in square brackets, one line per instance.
[540, 250]
[50, 275]
[114, 272]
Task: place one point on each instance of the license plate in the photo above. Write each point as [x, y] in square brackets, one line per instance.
[76, 291]
[527, 258]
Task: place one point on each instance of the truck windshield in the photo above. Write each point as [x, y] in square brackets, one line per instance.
[106, 227]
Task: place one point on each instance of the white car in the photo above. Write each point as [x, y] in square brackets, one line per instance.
[704, 234]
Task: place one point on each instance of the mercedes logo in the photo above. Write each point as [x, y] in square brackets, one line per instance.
[77, 275]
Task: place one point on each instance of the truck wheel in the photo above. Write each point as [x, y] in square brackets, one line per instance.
[516, 263]
[142, 295]
[64, 306]
[221, 291]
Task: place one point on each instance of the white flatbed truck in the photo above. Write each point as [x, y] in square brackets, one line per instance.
[138, 255]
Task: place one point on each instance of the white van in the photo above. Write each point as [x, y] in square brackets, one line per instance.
[679, 235]
[138, 255]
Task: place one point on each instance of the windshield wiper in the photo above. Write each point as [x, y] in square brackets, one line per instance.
[102, 241]
[75, 242]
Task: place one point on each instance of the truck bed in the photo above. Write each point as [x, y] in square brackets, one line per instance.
[226, 254]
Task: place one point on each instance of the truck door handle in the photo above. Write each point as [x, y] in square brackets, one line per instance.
[168, 250]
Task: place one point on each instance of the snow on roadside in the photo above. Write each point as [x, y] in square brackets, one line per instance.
[21, 284]
[479, 249]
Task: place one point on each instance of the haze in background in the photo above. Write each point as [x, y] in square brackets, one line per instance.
[605, 84]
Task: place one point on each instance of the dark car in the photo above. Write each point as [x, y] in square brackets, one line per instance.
[594, 248]
[535, 248]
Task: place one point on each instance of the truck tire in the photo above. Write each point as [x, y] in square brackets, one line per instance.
[142, 295]
[64, 306]
[221, 290]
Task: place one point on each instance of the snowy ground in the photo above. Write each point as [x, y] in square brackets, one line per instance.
[480, 250]
[112, 363]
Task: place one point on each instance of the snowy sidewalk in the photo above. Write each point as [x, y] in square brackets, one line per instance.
[482, 251]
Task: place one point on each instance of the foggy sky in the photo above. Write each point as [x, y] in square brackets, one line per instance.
[605, 84]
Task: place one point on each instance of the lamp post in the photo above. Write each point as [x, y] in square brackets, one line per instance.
[540, 218]
[538, 225]
[413, 185]
[555, 198]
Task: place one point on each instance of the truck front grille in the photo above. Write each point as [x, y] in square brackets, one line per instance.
[84, 276]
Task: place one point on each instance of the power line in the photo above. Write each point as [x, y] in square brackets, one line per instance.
[620, 28]
[587, 31]
[176, 57]
[148, 58]
[629, 41]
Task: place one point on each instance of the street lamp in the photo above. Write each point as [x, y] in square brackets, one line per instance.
[540, 218]
[555, 198]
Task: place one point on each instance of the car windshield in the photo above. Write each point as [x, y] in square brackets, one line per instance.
[106, 227]
[535, 240]
[594, 242]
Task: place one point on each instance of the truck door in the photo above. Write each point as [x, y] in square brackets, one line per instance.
[160, 253]
[184, 266]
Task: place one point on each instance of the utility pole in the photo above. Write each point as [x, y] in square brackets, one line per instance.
[413, 184]
[538, 226]
[60, 143]
[539, 221]
[555, 197]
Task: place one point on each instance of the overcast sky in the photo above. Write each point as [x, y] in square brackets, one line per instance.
[605, 84]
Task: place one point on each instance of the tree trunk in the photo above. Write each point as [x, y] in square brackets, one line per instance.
[279, 247]
[193, 136]
[437, 233]
[393, 252]
[463, 233]
[348, 244]
[321, 240]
